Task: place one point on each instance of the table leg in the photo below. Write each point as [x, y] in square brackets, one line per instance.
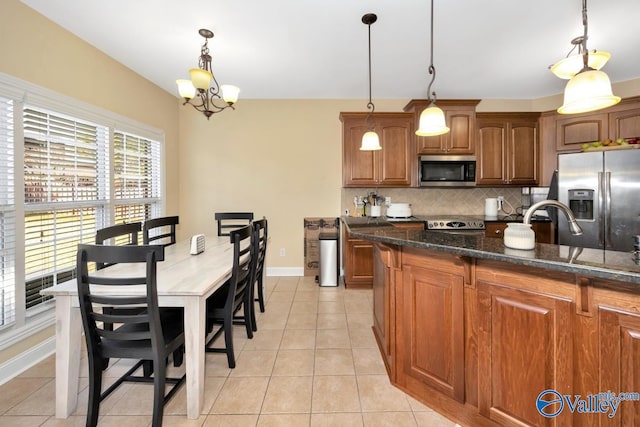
[194, 331]
[68, 335]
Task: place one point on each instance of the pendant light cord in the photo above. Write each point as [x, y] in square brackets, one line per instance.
[585, 52]
[432, 69]
[370, 105]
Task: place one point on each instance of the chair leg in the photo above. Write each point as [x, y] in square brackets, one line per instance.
[261, 293]
[159, 381]
[248, 315]
[228, 339]
[95, 388]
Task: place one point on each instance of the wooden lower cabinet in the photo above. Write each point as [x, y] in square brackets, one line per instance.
[479, 340]
[619, 358]
[524, 348]
[386, 267]
[432, 323]
[358, 262]
[544, 230]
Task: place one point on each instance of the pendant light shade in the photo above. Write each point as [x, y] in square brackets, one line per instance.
[370, 140]
[588, 91]
[571, 65]
[432, 122]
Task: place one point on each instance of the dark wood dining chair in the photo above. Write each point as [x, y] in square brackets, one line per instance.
[260, 242]
[160, 231]
[234, 295]
[228, 221]
[118, 235]
[144, 336]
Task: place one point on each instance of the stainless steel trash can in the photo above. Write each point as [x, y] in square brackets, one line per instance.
[328, 259]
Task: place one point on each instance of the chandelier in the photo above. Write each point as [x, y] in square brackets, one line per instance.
[203, 92]
[370, 140]
[432, 120]
[589, 89]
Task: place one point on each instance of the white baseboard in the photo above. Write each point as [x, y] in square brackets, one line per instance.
[285, 271]
[27, 359]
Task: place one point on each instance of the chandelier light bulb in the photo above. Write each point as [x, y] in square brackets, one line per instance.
[588, 91]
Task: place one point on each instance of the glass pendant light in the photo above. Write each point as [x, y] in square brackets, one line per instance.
[590, 89]
[370, 140]
[572, 64]
[432, 120]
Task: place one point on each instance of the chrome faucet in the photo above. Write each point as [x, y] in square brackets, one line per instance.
[573, 224]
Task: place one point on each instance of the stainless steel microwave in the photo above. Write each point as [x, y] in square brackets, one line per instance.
[447, 171]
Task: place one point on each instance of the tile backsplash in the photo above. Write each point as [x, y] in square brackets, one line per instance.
[436, 201]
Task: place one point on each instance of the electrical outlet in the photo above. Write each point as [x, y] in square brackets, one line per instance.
[283, 252]
[387, 201]
[501, 199]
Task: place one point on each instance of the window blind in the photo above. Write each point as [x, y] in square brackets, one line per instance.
[7, 214]
[65, 188]
[136, 180]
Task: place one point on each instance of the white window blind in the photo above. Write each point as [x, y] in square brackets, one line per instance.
[65, 189]
[7, 214]
[136, 164]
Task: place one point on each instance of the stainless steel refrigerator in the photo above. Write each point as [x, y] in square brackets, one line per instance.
[602, 188]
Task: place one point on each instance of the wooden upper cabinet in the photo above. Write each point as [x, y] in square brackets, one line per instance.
[460, 116]
[389, 167]
[573, 131]
[624, 124]
[508, 149]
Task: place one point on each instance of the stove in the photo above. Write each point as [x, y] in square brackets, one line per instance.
[459, 224]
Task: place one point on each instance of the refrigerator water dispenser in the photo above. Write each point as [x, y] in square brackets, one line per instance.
[581, 203]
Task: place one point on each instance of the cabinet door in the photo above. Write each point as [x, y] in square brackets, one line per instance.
[386, 263]
[359, 167]
[572, 132]
[522, 154]
[492, 146]
[358, 269]
[396, 154]
[524, 348]
[624, 124]
[620, 361]
[433, 325]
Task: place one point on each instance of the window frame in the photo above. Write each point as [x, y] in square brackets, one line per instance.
[29, 322]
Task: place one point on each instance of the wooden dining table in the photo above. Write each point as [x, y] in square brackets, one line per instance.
[183, 280]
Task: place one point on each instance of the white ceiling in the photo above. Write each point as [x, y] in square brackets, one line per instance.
[486, 49]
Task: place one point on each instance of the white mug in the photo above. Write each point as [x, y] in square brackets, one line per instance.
[491, 207]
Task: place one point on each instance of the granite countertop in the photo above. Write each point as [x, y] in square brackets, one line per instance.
[611, 265]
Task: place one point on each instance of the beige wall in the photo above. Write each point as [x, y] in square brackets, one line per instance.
[278, 158]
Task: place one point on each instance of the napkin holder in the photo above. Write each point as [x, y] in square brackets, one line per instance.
[197, 244]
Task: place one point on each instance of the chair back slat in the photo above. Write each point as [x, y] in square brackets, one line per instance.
[160, 231]
[229, 221]
[144, 324]
[119, 235]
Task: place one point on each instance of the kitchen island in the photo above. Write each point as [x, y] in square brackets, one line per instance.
[478, 331]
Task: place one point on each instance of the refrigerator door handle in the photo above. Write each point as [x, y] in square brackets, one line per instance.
[608, 237]
[601, 187]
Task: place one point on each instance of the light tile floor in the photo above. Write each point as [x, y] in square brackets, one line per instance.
[313, 362]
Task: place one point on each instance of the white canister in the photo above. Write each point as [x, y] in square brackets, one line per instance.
[519, 236]
[491, 207]
[374, 211]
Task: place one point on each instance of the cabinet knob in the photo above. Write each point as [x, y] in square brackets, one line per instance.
[498, 231]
